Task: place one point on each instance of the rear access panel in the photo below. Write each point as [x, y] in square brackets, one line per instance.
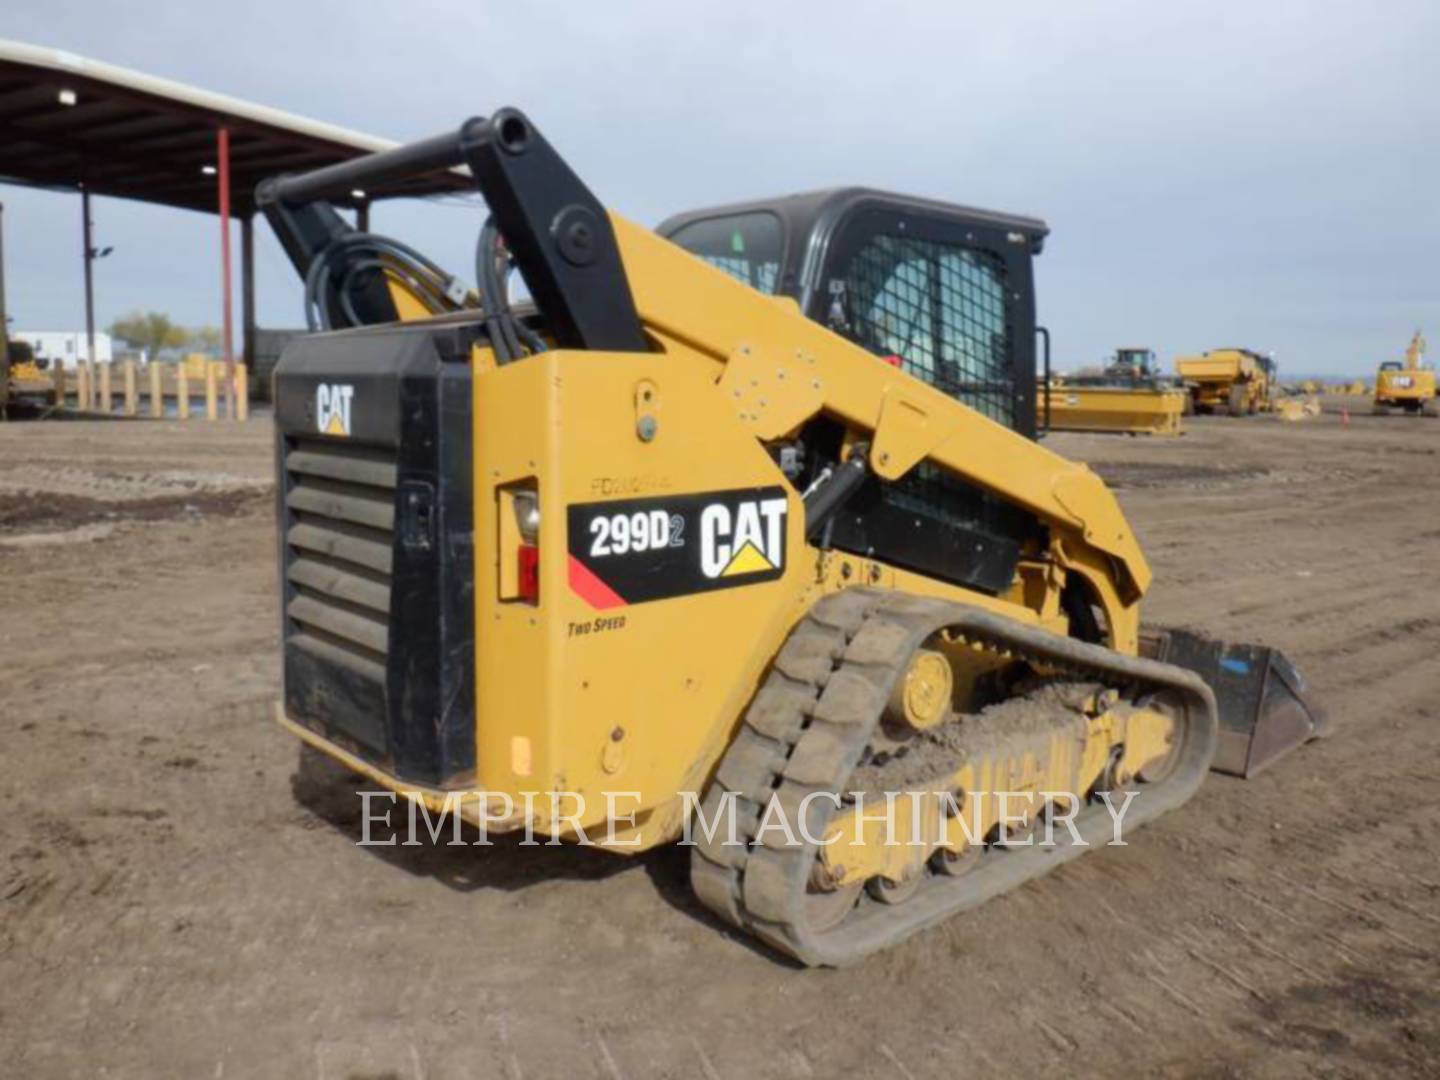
[376, 553]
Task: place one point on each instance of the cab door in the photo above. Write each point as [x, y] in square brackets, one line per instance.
[951, 300]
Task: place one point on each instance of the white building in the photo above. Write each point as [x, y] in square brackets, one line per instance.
[65, 346]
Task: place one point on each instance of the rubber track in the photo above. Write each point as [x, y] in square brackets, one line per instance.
[807, 729]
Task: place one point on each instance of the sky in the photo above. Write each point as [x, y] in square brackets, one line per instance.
[1214, 172]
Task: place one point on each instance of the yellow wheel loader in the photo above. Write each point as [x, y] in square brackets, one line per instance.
[1128, 396]
[732, 561]
[1409, 386]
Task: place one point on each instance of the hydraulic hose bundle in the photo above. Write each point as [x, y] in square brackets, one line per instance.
[340, 266]
[344, 263]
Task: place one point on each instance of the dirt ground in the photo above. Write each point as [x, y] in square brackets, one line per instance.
[176, 901]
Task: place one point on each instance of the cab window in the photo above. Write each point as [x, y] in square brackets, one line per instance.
[939, 308]
[748, 247]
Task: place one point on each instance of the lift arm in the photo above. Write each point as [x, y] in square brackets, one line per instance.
[556, 230]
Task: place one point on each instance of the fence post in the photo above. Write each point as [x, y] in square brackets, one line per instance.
[57, 375]
[182, 392]
[106, 398]
[242, 392]
[82, 386]
[157, 390]
[132, 395]
[212, 388]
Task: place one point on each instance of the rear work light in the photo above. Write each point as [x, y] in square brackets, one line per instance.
[519, 543]
[527, 569]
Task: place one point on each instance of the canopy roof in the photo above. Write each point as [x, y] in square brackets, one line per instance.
[70, 122]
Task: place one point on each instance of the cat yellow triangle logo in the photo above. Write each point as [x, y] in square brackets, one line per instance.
[332, 408]
[747, 560]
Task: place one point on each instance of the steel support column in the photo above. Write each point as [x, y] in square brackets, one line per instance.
[247, 291]
[87, 238]
[4, 314]
[223, 174]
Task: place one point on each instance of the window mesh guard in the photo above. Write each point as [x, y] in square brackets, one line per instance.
[941, 309]
[756, 273]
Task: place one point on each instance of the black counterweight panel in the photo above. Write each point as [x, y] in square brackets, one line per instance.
[374, 430]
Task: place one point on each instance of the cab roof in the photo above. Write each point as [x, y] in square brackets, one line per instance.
[806, 212]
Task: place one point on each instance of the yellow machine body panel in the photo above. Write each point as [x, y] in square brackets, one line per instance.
[1128, 410]
[562, 703]
[1220, 366]
[684, 300]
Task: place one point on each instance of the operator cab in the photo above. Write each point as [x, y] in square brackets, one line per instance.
[944, 292]
[1136, 363]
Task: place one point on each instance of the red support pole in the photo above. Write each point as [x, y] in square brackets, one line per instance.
[223, 170]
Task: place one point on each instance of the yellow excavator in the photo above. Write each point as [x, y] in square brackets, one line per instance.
[729, 538]
[1409, 386]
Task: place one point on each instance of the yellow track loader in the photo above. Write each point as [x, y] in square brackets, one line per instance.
[1409, 386]
[728, 560]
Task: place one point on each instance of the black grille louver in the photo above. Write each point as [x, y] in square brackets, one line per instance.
[339, 536]
[376, 546]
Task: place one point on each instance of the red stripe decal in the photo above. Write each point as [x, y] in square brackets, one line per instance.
[591, 589]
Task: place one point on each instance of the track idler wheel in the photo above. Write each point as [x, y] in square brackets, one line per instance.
[922, 696]
[828, 902]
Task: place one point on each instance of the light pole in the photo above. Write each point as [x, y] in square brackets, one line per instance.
[91, 254]
[4, 329]
[4, 315]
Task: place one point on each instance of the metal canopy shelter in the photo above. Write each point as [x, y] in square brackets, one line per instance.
[67, 122]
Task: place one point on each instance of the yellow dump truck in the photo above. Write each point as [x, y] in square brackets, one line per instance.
[1240, 381]
[1409, 386]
